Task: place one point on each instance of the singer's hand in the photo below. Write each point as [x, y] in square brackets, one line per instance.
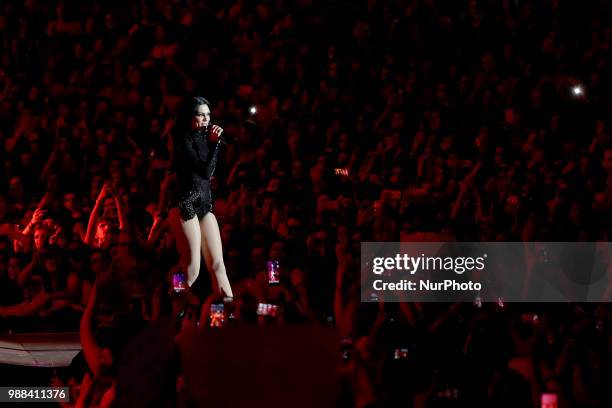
[215, 133]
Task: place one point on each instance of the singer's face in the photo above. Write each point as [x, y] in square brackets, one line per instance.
[201, 118]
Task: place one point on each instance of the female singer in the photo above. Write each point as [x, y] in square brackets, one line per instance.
[195, 150]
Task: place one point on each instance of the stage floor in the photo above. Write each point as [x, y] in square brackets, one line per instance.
[39, 349]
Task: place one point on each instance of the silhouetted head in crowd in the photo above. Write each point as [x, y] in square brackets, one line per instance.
[103, 234]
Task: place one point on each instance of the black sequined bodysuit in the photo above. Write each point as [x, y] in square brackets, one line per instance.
[194, 162]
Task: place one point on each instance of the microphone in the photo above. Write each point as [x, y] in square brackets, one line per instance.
[221, 138]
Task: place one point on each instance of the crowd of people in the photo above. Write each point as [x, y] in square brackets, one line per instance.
[345, 122]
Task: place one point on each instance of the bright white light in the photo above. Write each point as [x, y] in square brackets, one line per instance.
[253, 110]
[577, 90]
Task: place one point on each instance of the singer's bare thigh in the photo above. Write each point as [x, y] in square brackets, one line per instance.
[212, 249]
[182, 246]
[194, 239]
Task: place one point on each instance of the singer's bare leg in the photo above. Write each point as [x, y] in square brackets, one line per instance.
[180, 240]
[191, 230]
[212, 251]
[183, 244]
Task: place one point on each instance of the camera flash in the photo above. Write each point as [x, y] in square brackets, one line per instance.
[253, 110]
[577, 90]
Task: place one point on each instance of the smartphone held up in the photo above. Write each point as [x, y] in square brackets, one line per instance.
[549, 400]
[217, 315]
[273, 273]
[179, 285]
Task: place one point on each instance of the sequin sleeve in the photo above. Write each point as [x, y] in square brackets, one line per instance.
[211, 162]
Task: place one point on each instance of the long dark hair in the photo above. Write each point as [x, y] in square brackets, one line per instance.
[197, 101]
[187, 112]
